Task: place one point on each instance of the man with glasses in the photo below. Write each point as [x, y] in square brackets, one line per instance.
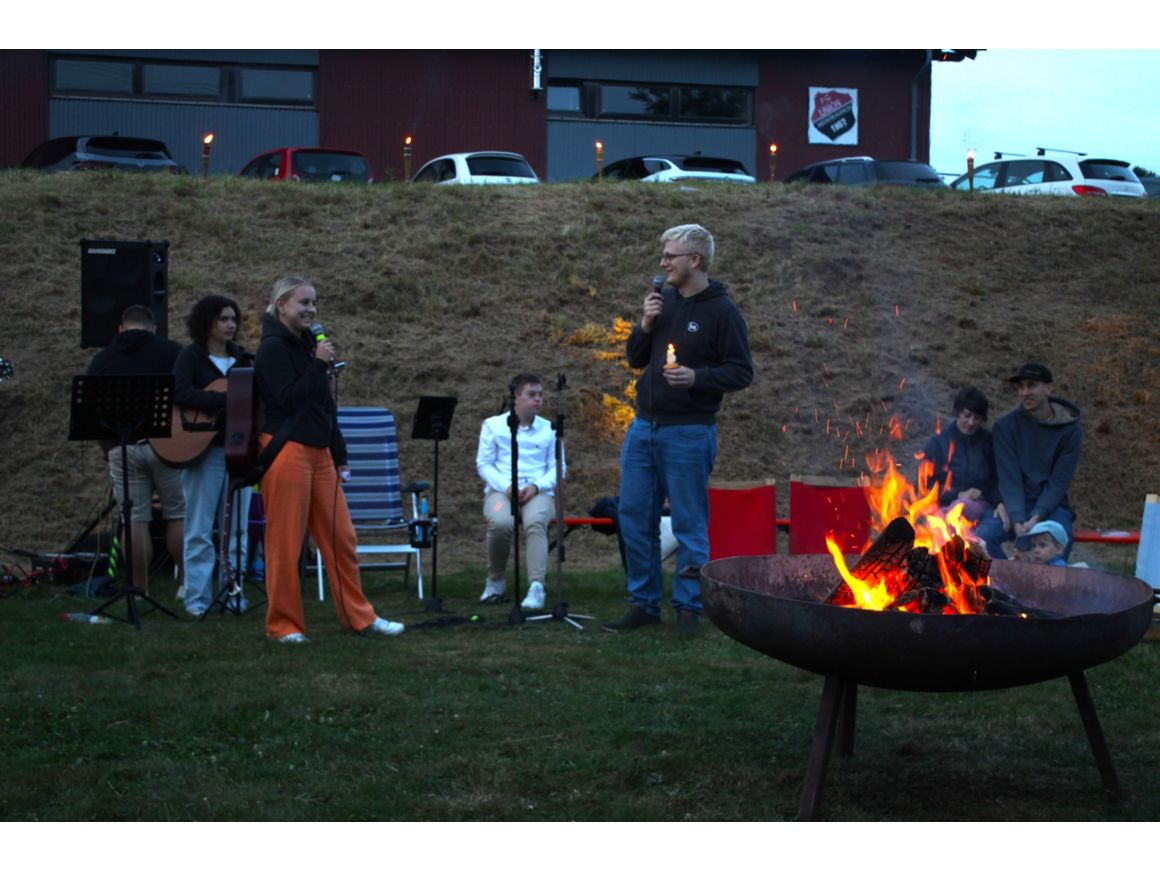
[693, 345]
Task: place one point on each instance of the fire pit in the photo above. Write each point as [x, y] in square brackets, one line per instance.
[774, 604]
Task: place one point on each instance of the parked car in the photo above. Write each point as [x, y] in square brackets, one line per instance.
[865, 171]
[1151, 184]
[126, 153]
[309, 164]
[693, 167]
[1064, 175]
[478, 167]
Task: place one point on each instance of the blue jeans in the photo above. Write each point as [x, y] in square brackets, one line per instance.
[204, 487]
[658, 462]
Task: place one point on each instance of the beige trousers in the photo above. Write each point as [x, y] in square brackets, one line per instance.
[535, 516]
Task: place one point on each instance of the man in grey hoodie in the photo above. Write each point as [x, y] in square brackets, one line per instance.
[1037, 449]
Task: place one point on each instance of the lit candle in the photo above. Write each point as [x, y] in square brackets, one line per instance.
[670, 357]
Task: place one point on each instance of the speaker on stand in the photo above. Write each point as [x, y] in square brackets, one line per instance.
[115, 275]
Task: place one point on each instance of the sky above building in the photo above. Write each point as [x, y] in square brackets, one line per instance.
[1104, 103]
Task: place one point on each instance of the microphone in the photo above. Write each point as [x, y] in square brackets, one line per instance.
[658, 283]
[320, 334]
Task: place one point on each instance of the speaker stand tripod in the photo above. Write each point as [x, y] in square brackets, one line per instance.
[560, 610]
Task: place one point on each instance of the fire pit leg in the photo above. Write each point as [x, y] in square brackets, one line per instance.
[835, 692]
[847, 709]
[1095, 734]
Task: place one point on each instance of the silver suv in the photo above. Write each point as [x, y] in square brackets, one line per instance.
[126, 153]
[864, 171]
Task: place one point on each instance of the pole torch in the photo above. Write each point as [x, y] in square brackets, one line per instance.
[407, 159]
[772, 161]
[971, 169]
[599, 159]
[205, 143]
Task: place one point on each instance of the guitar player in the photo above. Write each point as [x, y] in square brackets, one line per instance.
[199, 379]
[138, 350]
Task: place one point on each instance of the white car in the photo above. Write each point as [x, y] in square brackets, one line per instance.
[478, 167]
[1064, 175]
[677, 168]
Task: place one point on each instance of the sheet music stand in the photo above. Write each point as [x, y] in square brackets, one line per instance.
[129, 407]
[433, 423]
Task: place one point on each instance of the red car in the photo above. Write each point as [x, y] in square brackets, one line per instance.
[309, 164]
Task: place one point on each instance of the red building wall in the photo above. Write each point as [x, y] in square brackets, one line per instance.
[447, 100]
[883, 80]
[23, 103]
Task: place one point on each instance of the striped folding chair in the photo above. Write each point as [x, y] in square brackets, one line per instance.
[373, 492]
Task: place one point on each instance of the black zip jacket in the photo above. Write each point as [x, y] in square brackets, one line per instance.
[289, 378]
[710, 338]
[194, 371]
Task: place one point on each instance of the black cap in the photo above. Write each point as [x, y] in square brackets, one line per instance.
[1032, 372]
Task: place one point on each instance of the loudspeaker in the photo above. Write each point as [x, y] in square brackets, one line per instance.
[115, 275]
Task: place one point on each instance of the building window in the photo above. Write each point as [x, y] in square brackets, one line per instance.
[156, 80]
[649, 102]
[277, 86]
[92, 77]
[181, 81]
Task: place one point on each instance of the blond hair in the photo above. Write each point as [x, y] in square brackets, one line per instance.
[283, 287]
[695, 239]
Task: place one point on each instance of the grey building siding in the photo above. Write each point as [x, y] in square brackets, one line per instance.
[571, 141]
[572, 151]
[240, 132]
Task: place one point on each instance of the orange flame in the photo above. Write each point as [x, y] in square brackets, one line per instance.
[890, 495]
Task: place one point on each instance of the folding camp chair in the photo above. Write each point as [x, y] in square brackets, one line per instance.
[373, 493]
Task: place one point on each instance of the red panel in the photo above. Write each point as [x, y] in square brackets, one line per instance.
[817, 509]
[23, 103]
[448, 101]
[742, 522]
[883, 80]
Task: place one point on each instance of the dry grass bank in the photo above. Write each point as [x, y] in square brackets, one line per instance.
[864, 306]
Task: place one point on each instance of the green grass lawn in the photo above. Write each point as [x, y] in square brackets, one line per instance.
[487, 721]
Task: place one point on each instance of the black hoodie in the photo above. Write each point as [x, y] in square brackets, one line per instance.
[135, 352]
[290, 378]
[710, 338]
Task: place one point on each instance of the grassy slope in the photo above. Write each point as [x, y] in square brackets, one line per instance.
[847, 293]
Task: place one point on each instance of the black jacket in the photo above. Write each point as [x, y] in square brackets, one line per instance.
[290, 378]
[710, 338]
[134, 352]
[194, 371]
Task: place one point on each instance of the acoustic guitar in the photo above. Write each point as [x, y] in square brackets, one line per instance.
[191, 432]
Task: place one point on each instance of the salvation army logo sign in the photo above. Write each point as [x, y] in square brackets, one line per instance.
[833, 116]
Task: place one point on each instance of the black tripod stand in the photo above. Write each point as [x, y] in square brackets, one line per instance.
[560, 611]
[433, 423]
[513, 421]
[131, 407]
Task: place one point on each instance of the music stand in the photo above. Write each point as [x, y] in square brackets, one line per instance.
[433, 423]
[130, 407]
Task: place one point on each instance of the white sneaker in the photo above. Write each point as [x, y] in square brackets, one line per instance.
[180, 596]
[534, 600]
[293, 637]
[384, 626]
[493, 589]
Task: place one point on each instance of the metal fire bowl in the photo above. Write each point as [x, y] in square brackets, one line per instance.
[774, 605]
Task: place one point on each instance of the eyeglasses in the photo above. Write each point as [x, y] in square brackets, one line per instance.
[667, 257]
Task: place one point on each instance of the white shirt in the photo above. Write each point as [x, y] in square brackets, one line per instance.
[537, 455]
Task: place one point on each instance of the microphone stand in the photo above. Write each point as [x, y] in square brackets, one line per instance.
[560, 611]
[517, 614]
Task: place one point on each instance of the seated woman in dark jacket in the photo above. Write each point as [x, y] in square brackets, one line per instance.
[962, 465]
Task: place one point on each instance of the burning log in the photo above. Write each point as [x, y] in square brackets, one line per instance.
[955, 579]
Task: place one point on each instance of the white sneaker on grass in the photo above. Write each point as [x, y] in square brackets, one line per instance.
[493, 589]
[534, 600]
[293, 637]
[384, 626]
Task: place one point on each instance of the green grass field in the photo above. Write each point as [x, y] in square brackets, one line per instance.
[488, 721]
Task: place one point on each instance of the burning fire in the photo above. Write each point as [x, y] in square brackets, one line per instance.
[914, 538]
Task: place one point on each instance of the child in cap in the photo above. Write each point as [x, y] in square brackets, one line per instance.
[1046, 542]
